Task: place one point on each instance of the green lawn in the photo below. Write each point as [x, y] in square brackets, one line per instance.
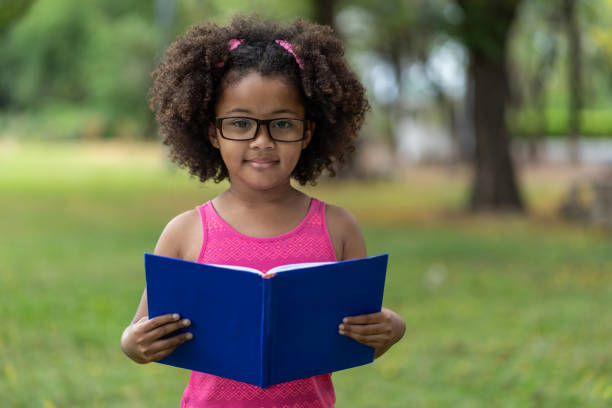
[501, 312]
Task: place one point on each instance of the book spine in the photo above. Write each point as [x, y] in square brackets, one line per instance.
[265, 332]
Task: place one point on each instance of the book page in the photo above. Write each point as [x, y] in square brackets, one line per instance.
[238, 268]
[291, 267]
[281, 268]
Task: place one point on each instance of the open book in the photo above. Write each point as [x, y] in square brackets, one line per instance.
[266, 329]
[274, 270]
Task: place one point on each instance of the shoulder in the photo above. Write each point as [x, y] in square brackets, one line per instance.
[345, 233]
[340, 218]
[179, 235]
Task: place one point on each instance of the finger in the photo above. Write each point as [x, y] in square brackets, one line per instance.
[377, 340]
[364, 319]
[155, 322]
[171, 343]
[142, 319]
[366, 329]
[166, 329]
[159, 355]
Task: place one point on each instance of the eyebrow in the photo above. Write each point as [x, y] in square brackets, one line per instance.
[242, 110]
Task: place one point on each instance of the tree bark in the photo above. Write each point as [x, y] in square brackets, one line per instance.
[324, 12]
[494, 186]
[484, 31]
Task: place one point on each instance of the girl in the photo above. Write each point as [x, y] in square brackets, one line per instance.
[258, 103]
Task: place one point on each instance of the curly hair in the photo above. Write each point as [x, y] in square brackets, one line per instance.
[199, 65]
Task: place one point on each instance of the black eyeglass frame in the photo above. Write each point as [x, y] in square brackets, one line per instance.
[219, 121]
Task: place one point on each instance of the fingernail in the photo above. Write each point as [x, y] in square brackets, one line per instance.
[189, 336]
[341, 331]
[186, 322]
[345, 320]
[341, 327]
[175, 316]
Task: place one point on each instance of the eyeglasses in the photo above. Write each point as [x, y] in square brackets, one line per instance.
[244, 128]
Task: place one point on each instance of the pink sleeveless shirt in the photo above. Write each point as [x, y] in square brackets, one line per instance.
[222, 244]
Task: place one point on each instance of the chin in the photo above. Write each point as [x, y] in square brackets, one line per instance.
[265, 186]
[262, 185]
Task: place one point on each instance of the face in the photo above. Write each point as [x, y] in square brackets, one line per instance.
[260, 163]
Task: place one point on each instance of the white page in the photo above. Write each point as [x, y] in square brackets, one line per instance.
[276, 269]
[290, 267]
[238, 268]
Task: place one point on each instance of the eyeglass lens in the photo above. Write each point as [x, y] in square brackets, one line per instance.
[245, 128]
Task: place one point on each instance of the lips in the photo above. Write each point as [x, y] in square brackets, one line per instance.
[262, 163]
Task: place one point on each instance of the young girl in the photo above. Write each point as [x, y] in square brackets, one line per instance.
[258, 103]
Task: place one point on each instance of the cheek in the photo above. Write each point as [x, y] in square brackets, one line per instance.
[232, 157]
[292, 156]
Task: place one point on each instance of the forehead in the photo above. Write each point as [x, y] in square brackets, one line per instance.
[259, 94]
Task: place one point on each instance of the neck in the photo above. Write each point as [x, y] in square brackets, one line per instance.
[257, 198]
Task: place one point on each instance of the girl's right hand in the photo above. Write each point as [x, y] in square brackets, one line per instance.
[141, 341]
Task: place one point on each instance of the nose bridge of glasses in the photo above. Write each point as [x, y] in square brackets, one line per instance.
[263, 127]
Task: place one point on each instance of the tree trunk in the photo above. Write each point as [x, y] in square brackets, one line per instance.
[324, 11]
[484, 31]
[575, 77]
[495, 186]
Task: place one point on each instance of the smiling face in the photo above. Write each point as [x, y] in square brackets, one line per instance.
[260, 163]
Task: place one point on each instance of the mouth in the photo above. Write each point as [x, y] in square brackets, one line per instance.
[262, 163]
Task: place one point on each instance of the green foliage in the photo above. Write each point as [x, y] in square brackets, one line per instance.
[43, 52]
[88, 63]
[91, 61]
[195, 11]
[554, 122]
[485, 24]
[539, 67]
[11, 11]
[74, 54]
[116, 65]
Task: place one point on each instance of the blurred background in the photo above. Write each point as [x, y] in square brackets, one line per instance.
[484, 169]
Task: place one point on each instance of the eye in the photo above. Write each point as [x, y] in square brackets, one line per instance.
[240, 123]
[282, 124]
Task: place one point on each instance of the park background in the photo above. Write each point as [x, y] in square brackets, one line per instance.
[483, 169]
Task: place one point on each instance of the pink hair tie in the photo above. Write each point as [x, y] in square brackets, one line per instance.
[232, 45]
[286, 45]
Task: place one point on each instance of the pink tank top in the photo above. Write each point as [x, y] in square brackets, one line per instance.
[222, 244]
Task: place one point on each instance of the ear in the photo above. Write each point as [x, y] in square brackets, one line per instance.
[310, 128]
[212, 135]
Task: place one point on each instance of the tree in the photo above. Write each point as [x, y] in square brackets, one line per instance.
[484, 30]
[392, 37]
[570, 18]
[533, 54]
[10, 13]
[324, 12]
[405, 34]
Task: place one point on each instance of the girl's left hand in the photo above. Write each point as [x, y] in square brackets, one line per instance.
[379, 330]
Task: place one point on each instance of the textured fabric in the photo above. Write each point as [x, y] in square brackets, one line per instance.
[222, 244]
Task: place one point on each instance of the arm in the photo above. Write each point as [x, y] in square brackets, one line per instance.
[141, 340]
[379, 330]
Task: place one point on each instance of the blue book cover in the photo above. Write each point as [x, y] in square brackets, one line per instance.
[266, 329]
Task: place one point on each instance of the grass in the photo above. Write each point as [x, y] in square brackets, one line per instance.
[501, 311]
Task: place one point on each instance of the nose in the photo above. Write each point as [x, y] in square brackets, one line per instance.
[262, 139]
